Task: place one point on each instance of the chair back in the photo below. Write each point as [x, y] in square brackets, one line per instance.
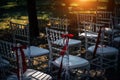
[55, 41]
[89, 26]
[20, 33]
[59, 23]
[116, 22]
[7, 52]
[84, 17]
[91, 33]
[92, 27]
[105, 18]
[55, 35]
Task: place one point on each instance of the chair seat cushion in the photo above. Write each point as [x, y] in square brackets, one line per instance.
[32, 74]
[111, 31]
[107, 50]
[71, 42]
[74, 61]
[117, 39]
[35, 51]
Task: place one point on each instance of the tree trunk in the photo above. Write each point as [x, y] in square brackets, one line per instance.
[111, 5]
[32, 16]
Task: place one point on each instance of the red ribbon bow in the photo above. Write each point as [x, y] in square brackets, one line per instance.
[24, 65]
[67, 35]
[66, 40]
[63, 50]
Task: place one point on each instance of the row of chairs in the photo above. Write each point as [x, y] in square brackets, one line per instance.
[7, 53]
[59, 42]
[56, 44]
[105, 20]
[101, 60]
[20, 34]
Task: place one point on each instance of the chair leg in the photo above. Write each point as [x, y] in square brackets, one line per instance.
[101, 63]
[66, 75]
[116, 62]
[3, 73]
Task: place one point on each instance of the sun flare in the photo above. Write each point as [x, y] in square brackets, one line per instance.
[84, 0]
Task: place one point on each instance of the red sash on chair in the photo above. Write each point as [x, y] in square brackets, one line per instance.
[23, 62]
[66, 38]
[97, 42]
